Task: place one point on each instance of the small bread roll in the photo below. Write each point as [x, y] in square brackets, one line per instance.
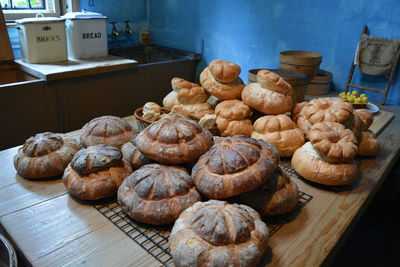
[151, 111]
[233, 118]
[369, 145]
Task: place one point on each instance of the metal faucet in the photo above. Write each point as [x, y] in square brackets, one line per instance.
[114, 31]
[128, 29]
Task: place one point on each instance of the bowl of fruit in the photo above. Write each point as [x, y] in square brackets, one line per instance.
[358, 101]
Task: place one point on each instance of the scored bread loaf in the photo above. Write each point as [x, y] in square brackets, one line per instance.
[157, 194]
[45, 155]
[96, 172]
[215, 233]
[234, 165]
[106, 130]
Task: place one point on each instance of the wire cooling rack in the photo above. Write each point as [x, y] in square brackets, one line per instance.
[154, 239]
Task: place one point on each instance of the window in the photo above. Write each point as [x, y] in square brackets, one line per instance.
[17, 9]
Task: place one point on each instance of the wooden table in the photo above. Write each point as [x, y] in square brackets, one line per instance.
[51, 229]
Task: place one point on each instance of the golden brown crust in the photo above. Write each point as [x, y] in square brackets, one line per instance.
[266, 101]
[157, 194]
[310, 165]
[333, 142]
[174, 139]
[272, 81]
[234, 127]
[106, 130]
[45, 155]
[215, 233]
[92, 175]
[192, 95]
[194, 111]
[178, 84]
[279, 195]
[369, 145]
[366, 118]
[233, 166]
[224, 71]
[233, 110]
[296, 110]
[223, 91]
[281, 132]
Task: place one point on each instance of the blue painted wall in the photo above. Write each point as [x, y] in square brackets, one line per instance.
[253, 33]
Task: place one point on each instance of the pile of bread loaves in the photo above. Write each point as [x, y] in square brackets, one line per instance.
[215, 189]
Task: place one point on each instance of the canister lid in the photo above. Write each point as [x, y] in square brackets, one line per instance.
[83, 15]
[39, 20]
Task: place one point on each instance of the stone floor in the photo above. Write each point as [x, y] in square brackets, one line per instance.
[376, 239]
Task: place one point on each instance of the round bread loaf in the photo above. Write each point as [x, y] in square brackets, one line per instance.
[157, 194]
[221, 79]
[296, 110]
[233, 118]
[233, 166]
[96, 172]
[174, 139]
[333, 142]
[106, 130]
[280, 131]
[151, 111]
[279, 195]
[369, 145]
[45, 155]
[311, 166]
[215, 233]
[269, 95]
[132, 154]
[331, 109]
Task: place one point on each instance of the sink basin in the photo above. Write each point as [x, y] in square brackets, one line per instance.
[154, 54]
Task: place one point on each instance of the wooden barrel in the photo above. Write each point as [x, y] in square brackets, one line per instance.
[297, 80]
[301, 61]
[320, 84]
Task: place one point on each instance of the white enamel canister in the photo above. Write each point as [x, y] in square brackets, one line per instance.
[42, 39]
[86, 35]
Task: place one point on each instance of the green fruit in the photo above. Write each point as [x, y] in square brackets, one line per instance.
[355, 93]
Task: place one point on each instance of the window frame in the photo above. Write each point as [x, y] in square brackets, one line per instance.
[53, 9]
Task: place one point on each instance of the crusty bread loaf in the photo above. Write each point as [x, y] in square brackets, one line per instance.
[310, 165]
[157, 194]
[280, 131]
[215, 233]
[106, 130]
[221, 79]
[233, 118]
[132, 154]
[170, 100]
[174, 139]
[296, 110]
[333, 142]
[277, 196]
[369, 145]
[331, 109]
[96, 172]
[45, 155]
[195, 111]
[235, 165]
[269, 95]
[366, 118]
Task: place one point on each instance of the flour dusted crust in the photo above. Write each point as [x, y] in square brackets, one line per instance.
[269, 95]
[96, 172]
[369, 145]
[280, 131]
[106, 130]
[157, 194]
[310, 165]
[174, 139]
[333, 142]
[278, 195]
[221, 79]
[170, 100]
[215, 233]
[331, 109]
[151, 111]
[234, 165]
[45, 155]
[233, 118]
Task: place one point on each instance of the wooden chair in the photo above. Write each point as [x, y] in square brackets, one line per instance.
[389, 76]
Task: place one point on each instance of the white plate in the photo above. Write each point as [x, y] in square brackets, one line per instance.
[372, 107]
